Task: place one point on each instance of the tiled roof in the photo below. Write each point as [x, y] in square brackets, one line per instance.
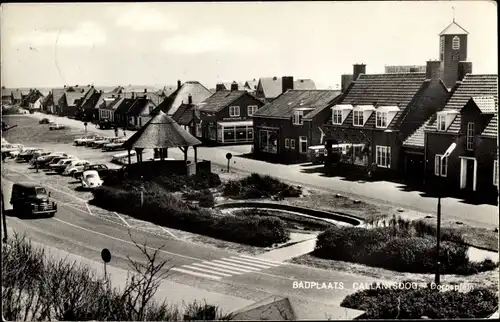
[271, 86]
[197, 91]
[417, 138]
[455, 125]
[138, 106]
[454, 29]
[7, 92]
[114, 104]
[88, 95]
[251, 84]
[124, 106]
[184, 114]
[486, 104]
[219, 100]
[103, 97]
[17, 94]
[304, 84]
[471, 86]
[57, 93]
[384, 89]
[73, 97]
[491, 129]
[166, 91]
[284, 105]
[161, 132]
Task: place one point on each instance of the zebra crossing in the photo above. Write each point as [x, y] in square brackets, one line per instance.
[226, 267]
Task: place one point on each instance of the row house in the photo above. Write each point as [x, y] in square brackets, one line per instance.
[188, 116]
[69, 100]
[287, 126]
[469, 119]
[377, 113]
[7, 96]
[268, 88]
[34, 100]
[132, 113]
[107, 108]
[226, 117]
[196, 90]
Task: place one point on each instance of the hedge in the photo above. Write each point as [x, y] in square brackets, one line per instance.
[258, 186]
[395, 249]
[164, 209]
[422, 301]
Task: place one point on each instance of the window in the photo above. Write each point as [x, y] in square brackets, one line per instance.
[287, 143]
[444, 165]
[441, 124]
[381, 119]
[251, 109]
[269, 141]
[470, 136]
[455, 43]
[337, 117]
[303, 144]
[383, 156]
[357, 118]
[234, 111]
[495, 173]
[198, 130]
[297, 117]
[292, 144]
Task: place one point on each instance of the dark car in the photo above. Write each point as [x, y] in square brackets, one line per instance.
[44, 121]
[27, 154]
[32, 199]
[101, 169]
[106, 124]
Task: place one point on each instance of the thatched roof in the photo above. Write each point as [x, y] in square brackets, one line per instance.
[161, 132]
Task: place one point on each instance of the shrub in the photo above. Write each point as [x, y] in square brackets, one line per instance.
[396, 250]
[423, 301]
[206, 199]
[162, 208]
[36, 287]
[258, 186]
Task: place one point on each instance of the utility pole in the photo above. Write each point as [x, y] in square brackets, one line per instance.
[438, 230]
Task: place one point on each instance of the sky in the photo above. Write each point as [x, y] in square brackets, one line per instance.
[107, 44]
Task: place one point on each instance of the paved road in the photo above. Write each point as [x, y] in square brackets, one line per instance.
[485, 216]
[76, 230]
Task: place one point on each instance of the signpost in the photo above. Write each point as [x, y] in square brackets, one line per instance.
[106, 257]
[228, 157]
[142, 191]
[85, 124]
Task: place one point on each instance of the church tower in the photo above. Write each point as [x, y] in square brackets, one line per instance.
[453, 54]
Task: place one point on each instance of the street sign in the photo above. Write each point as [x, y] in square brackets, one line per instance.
[228, 157]
[106, 255]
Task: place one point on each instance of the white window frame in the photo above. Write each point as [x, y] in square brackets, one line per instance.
[441, 120]
[303, 139]
[287, 143]
[455, 43]
[384, 152]
[251, 109]
[337, 117]
[470, 136]
[495, 173]
[234, 111]
[292, 144]
[298, 117]
[383, 117]
[444, 166]
[360, 115]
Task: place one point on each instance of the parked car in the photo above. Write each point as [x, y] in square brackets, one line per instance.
[44, 121]
[100, 143]
[106, 124]
[37, 155]
[55, 160]
[317, 154]
[26, 154]
[82, 140]
[32, 199]
[60, 166]
[56, 126]
[45, 159]
[91, 142]
[102, 169]
[76, 165]
[90, 179]
[117, 158]
[116, 145]
[12, 149]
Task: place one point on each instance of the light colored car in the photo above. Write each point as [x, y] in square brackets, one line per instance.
[92, 141]
[91, 179]
[82, 140]
[75, 166]
[116, 145]
[102, 142]
[56, 126]
[43, 158]
[12, 150]
[26, 154]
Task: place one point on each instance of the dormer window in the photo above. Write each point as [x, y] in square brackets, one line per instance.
[444, 119]
[441, 124]
[361, 113]
[455, 43]
[384, 115]
[340, 113]
[357, 118]
[381, 119]
[298, 117]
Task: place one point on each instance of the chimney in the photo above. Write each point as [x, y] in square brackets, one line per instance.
[219, 87]
[358, 69]
[64, 86]
[433, 70]
[464, 68]
[179, 84]
[346, 80]
[286, 83]
[133, 94]
[145, 90]
[234, 86]
[190, 99]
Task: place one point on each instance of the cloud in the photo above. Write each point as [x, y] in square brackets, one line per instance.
[144, 18]
[211, 40]
[86, 34]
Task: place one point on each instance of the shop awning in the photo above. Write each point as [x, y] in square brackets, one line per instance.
[237, 124]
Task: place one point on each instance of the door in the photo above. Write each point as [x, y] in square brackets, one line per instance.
[469, 175]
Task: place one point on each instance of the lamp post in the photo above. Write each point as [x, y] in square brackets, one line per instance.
[438, 230]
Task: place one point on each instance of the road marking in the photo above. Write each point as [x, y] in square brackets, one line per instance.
[216, 268]
[195, 273]
[88, 208]
[232, 260]
[262, 260]
[224, 266]
[121, 218]
[236, 265]
[205, 270]
[168, 232]
[255, 260]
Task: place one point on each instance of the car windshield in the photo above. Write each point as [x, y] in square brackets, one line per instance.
[90, 176]
[40, 191]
